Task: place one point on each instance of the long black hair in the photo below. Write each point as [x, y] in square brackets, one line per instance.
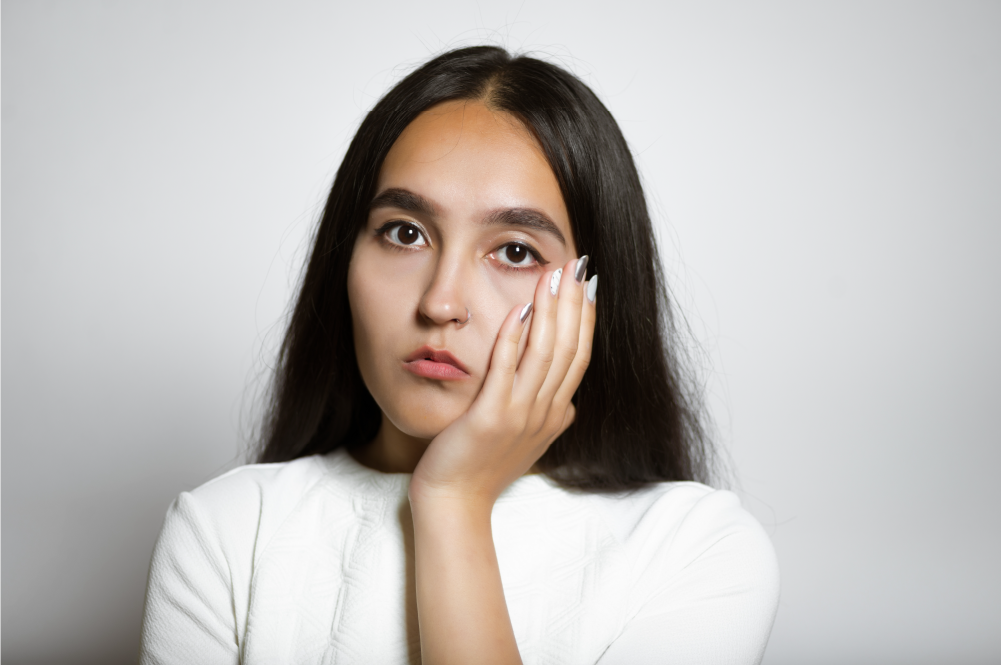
[639, 418]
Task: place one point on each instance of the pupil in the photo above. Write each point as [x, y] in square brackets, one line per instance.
[516, 253]
[408, 235]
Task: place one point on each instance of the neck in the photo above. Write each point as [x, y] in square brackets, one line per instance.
[391, 451]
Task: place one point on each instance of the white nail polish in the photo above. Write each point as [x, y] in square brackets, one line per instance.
[554, 283]
[592, 288]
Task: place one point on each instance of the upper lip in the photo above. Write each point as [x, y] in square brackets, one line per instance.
[436, 355]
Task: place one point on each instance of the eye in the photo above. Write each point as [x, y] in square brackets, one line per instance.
[517, 255]
[405, 234]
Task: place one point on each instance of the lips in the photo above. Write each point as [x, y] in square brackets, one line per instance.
[432, 363]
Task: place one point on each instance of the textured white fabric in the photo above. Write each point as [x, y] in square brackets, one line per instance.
[311, 561]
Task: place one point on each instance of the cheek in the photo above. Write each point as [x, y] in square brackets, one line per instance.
[499, 294]
[380, 304]
[508, 290]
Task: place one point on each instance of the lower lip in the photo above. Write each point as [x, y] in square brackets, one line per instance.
[429, 369]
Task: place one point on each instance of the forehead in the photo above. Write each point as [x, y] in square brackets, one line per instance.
[469, 159]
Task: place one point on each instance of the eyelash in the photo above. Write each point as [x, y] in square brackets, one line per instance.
[384, 230]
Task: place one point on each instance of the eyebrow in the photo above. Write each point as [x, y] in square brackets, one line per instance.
[404, 199]
[529, 218]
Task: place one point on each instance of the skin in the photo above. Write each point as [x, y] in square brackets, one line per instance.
[437, 245]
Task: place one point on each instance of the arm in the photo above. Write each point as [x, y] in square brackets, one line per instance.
[520, 410]
[188, 616]
[460, 601]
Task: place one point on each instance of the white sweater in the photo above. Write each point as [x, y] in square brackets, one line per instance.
[311, 561]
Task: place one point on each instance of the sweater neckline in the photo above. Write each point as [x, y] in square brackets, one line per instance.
[365, 480]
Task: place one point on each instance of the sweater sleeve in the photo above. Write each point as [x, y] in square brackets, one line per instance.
[189, 614]
[713, 592]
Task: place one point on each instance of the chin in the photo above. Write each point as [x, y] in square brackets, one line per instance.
[426, 418]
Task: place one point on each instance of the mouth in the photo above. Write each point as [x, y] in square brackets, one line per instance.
[435, 364]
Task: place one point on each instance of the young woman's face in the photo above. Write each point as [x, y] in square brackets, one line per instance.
[468, 215]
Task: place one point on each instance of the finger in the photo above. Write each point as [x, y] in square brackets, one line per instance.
[538, 354]
[568, 321]
[569, 415]
[585, 344]
[504, 359]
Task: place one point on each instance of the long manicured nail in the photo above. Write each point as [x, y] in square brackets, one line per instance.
[525, 311]
[578, 273]
[554, 283]
[592, 288]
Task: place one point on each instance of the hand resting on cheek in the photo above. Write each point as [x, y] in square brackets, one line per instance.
[524, 404]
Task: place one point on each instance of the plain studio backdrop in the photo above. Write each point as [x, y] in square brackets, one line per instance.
[826, 184]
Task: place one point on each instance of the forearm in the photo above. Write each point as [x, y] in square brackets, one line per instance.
[460, 600]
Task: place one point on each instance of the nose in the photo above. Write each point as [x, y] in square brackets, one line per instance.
[444, 300]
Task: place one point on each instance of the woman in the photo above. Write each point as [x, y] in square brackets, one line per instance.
[451, 471]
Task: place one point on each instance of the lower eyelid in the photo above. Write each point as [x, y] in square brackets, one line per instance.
[538, 264]
[535, 267]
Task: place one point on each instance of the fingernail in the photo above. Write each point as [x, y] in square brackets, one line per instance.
[578, 273]
[525, 311]
[592, 288]
[554, 283]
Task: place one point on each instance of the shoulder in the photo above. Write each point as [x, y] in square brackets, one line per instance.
[203, 561]
[236, 511]
[249, 487]
[663, 510]
[669, 526]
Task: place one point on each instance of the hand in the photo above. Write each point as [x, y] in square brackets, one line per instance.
[522, 407]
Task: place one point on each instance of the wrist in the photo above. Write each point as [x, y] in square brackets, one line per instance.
[452, 506]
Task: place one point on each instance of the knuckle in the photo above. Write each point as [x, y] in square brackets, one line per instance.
[516, 414]
[487, 421]
[507, 365]
[537, 423]
[524, 426]
[555, 426]
[569, 353]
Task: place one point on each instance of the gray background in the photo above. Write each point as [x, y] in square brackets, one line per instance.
[826, 180]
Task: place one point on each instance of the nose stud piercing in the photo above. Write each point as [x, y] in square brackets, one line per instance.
[469, 315]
